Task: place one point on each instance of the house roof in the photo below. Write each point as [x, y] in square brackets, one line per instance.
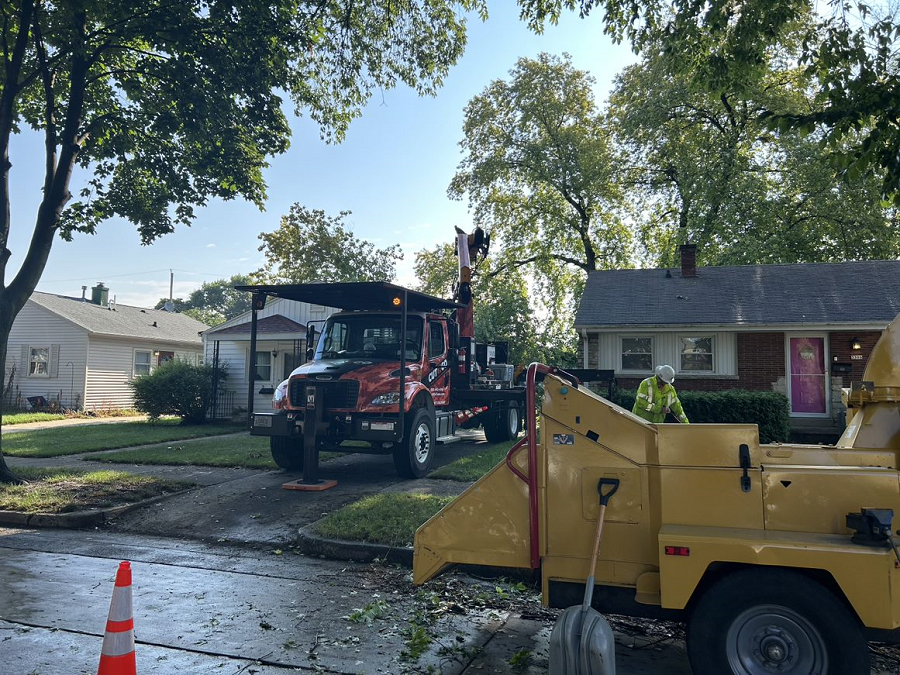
[821, 293]
[269, 325]
[123, 320]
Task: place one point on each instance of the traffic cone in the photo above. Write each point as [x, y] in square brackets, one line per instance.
[117, 654]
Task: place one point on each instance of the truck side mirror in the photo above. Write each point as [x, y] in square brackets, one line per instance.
[310, 341]
[453, 330]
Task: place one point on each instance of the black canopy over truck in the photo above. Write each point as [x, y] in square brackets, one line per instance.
[390, 370]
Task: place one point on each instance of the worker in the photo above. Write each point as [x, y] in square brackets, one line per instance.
[656, 398]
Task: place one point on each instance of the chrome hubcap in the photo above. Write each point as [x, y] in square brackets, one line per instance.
[422, 443]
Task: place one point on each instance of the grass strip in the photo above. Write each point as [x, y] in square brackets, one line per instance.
[29, 417]
[387, 518]
[59, 490]
[473, 467]
[87, 438]
[238, 451]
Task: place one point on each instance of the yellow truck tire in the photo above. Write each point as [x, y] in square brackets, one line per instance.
[771, 620]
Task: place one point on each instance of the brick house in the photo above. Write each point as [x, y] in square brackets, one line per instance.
[803, 330]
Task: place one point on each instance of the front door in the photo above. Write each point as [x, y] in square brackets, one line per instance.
[807, 381]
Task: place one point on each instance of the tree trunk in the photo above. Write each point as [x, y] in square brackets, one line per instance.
[6, 474]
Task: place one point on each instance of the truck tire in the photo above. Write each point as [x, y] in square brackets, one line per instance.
[503, 425]
[762, 621]
[413, 457]
[287, 452]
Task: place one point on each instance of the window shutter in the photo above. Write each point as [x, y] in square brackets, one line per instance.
[54, 360]
[23, 366]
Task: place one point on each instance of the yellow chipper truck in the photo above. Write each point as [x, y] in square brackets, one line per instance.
[780, 558]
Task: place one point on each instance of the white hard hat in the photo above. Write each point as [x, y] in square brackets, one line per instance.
[666, 374]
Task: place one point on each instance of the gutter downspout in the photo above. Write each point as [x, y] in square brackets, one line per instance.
[585, 361]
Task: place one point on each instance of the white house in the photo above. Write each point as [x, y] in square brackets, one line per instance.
[280, 347]
[83, 352]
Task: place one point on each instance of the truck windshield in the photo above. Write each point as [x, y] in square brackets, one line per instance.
[370, 336]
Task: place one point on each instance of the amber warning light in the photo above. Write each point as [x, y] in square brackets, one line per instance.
[678, 550]
[396, 302]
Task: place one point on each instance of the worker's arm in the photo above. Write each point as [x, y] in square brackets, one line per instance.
[645, 401]
[678, 411]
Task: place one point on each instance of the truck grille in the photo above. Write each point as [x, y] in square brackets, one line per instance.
[341, 394]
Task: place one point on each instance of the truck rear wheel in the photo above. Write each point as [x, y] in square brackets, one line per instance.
[287, 452]
[412, 457]
[503, 425]
[763, 621]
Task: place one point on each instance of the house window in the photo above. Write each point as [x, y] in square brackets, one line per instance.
[696, 354]
[264, 366]
[637, 353]
[142, 363]
[39, 362]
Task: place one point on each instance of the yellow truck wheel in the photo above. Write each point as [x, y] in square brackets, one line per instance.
[770, 620]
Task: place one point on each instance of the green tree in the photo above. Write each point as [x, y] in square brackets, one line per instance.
[540, 175]
[310, 245]
[164, 105]
[849, 51]
[706, 169]
[215, 301]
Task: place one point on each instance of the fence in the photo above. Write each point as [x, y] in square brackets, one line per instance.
[222, 406]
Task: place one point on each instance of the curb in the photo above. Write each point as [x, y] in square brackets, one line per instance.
[310, 543]
[76, 520]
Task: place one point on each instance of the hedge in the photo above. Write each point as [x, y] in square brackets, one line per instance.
[767, 409]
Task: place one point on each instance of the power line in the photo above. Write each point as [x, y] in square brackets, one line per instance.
[132, 274]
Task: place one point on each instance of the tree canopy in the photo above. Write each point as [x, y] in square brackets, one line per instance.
[164, 105]
[310, 245]
[706, 169]
[539, 172]
[848, 49]
[215, 301]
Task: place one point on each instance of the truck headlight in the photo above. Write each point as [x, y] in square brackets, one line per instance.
[387, 399]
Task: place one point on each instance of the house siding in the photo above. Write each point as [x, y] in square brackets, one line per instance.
[34, 326]
[111, 368]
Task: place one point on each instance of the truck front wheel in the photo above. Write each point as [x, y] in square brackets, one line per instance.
[412, 457]
[763, 621]
[287, 451]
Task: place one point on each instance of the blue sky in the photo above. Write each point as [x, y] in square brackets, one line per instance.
[391, 171]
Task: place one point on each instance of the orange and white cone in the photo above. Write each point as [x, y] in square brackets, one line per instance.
[117, 654]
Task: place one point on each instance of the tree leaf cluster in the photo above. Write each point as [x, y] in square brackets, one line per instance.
[309, 245]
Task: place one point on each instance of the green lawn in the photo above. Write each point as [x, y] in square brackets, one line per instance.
[27, 417]
[473, 467]
[74, 440]
[386, 518]
[57, 490]
[239, 450]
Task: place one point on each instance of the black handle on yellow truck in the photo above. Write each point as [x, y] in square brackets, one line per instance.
[607, 482]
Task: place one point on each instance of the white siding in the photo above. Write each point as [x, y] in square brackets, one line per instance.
[665, 350]
[111, 368]
[233, 354]
[34, 326]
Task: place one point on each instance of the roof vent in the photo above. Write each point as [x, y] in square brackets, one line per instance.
[84, 293]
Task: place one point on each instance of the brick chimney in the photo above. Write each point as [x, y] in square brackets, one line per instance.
[688, 260]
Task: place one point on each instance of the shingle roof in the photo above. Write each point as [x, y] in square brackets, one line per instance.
[265, 326]
[823, 293]
[124, 320]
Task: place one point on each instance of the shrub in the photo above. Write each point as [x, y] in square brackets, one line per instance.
[176, 388]
[767, 409]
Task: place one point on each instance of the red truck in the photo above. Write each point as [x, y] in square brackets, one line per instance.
[387, 345]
